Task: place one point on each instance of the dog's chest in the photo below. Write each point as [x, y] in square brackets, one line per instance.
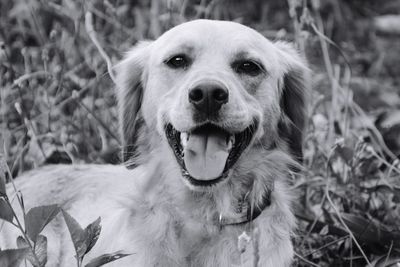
[202, 243]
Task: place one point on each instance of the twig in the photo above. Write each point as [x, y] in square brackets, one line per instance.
[19, 226]
[96, 118]
[305, 260]
[338, 212]
[92, 35]
[327, 245]
[201, 7]
[313, 223]
[345, 225]
[116, 23]
[20, 200]
[358, 110]
[155, 25]
[388, 254]
[28, 76]
[60, 104]
[183, 10]
[31, 130]
[347, 78]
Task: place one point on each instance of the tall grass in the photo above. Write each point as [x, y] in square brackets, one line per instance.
[57, 105]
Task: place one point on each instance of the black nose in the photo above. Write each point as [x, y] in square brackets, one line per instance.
[208, 98]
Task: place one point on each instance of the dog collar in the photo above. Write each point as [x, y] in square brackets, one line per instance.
[248, 215]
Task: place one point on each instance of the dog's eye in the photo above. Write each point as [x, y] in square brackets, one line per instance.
[178, 62]
[248, 67]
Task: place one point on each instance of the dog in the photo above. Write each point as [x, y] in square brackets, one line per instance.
[211, 117]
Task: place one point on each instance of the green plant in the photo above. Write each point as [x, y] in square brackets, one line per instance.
[32, 245]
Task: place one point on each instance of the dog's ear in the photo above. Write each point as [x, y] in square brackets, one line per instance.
[294, 94]
[130, 80]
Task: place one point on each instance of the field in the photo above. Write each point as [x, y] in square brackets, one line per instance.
[57, 103]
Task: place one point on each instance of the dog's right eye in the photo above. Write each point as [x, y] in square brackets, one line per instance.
[178, 62]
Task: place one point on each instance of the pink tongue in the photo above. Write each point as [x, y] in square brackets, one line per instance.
[205, 155]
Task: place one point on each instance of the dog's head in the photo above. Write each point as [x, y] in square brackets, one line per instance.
[214, 91]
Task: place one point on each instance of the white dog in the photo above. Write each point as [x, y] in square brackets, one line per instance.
[211, 119]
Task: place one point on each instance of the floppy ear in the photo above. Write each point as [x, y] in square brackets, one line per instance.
[293, 99]
[130, 80]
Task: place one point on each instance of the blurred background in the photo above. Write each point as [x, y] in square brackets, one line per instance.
[57, 103]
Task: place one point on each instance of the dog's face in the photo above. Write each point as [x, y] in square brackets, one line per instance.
[213, 90]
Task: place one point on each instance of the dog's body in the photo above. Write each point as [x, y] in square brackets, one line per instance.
[205, 89]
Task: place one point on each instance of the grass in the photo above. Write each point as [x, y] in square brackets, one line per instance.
[57, 105]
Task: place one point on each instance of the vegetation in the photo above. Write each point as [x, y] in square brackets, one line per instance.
[57, 106]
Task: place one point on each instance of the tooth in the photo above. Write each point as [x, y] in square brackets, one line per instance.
[184, 138]
[231, 141]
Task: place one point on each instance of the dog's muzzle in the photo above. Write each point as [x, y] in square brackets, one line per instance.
[207, 152]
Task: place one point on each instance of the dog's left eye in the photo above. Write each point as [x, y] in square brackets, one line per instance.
[248, 67]
[178, 62]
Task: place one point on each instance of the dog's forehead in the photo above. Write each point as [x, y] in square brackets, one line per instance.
[212, 33]
[212, 27]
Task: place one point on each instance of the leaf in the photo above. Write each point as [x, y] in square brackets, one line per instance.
[370, 231]
[3, 175]
[2, 181]
[385, 261]
[5, 210]
[21, 242]
[78, 235]
[346, 153]
[2, 185]
[106, 258]
[37, 218]
[324, 230]
[40, 250]
[92, 233]
[13, 257]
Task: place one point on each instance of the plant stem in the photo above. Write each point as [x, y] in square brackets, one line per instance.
[19, 226]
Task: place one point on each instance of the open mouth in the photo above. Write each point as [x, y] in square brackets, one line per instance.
[207, 152]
